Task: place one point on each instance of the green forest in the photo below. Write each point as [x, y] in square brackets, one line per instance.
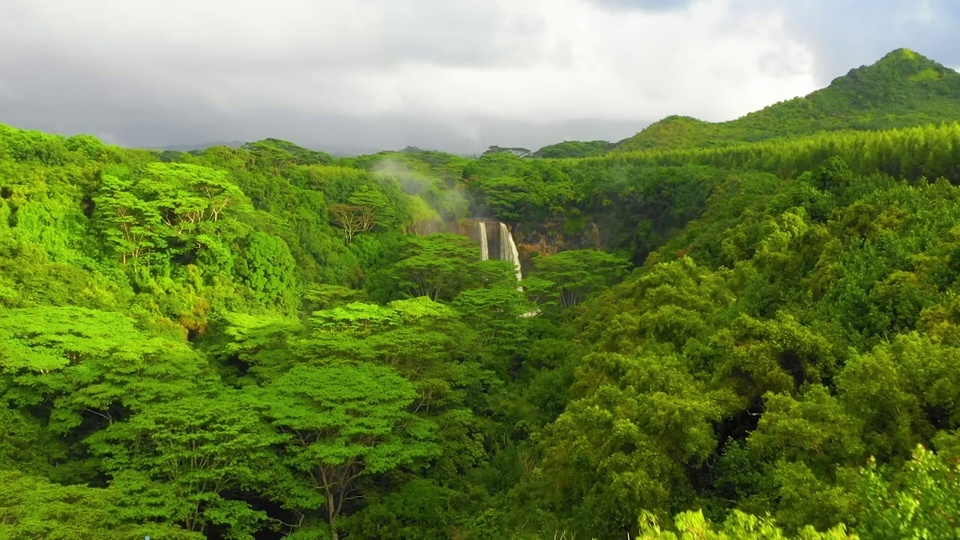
[747, 330]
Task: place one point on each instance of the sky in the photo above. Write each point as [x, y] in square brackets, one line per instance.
[354, 76]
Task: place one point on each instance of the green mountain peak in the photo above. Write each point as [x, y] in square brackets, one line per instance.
[901, 89]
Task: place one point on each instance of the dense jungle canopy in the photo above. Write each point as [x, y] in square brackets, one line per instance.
[736, 330]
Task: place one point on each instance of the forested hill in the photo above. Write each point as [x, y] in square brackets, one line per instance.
[748, 341]
[574, 149]
[901, 89]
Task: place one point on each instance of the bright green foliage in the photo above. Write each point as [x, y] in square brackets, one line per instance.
[276, 154]
[34, 146]
[430, 346]
[807, 430]
[920, 501]
[267, 268]
[20, 435]
[192, 452]
[422, 339]
[771, 356]
[342, 422]
[261, 344]
[420, 510]
[738, 526]
[89, 364]
[904, 392]
[671, 303]
[32, 507]
[518, 190]
[166, 209]
[498, 315]
[912, 152]
[46, 340]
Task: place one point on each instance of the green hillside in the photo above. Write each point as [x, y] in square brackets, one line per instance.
[902, 89]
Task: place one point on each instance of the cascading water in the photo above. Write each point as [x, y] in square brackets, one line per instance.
[508, 250]
[497, 243]
[484, 242]
[504, 246]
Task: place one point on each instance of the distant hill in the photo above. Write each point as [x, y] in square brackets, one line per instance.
[902, 89]
[340, 151]
[200, 146]
[284, 152]
[574, 149]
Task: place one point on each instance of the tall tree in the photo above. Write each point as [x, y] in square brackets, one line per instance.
[342, 422]
[179, 461]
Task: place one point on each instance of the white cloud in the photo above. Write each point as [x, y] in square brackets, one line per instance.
[420, 64]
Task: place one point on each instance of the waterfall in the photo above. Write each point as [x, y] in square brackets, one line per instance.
[497, 243]
[484, 244]
[508, 250]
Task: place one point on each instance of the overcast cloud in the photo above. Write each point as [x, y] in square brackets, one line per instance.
[455, 75]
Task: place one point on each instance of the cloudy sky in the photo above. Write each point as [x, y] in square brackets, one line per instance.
[455, 75]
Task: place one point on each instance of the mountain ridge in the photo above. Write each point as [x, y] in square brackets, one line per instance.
[902, 89]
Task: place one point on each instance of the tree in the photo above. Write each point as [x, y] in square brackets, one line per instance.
[257, 345]
[500, 317]
[79, 364]
[920, 501]
[440, 266]
[267, 268]
[383, 210]
[636, 426]
[576, 274]
[130, 225]
[425, 341]
[194, 451]
[902, 392]
[738, 526]
[779, 355]
[34, 507]
[423, 218]
[352, 218]
[166, 208]
[342, 422]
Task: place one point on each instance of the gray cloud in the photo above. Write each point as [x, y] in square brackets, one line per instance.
[846, 34]
[457, 76]
[64, 98]
[645, 5]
